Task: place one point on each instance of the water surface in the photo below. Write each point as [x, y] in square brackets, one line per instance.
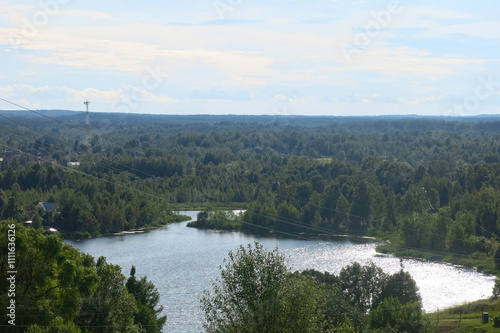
[182, 262]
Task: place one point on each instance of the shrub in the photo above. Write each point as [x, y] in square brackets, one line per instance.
[496, 321]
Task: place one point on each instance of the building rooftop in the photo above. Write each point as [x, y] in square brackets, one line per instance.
[48, 206]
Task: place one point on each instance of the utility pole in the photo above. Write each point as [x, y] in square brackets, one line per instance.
[87, 127]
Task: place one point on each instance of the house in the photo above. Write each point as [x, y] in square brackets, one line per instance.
[48, 206]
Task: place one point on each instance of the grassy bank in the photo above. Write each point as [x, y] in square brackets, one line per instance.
[479, 261]
[465, 318]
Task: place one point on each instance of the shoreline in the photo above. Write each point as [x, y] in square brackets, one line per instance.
[480, 265]
[142, 230]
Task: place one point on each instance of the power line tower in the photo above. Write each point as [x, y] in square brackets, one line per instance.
[87, 127]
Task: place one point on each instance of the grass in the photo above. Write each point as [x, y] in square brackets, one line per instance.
[465, 318]
[479, 261]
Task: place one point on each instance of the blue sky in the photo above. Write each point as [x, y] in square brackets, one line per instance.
[252, 56]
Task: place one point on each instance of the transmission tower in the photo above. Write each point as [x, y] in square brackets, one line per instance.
[87, 127]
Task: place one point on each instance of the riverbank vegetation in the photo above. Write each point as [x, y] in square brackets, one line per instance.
[55, 288]
[430, 186]
[257, 292]
[467, 318]
[219, 219]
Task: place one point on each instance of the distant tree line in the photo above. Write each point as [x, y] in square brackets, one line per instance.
[427, 184]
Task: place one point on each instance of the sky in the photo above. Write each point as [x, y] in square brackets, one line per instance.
[277, 57]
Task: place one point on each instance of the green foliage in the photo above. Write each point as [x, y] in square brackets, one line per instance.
[496, 321]
[216, 219]
[401, 287]
[59, 289]
[392, 315]
[148, 314]
[256, 293]
[432, 186]
[52, 278]
[56, 325]
[434, 183]
[496, 257]
[362, 284]
[496, 290]
[111, 306]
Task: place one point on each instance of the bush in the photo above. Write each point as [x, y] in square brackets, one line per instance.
[496, 290]
[496, 321]
[393, 315]
[257, 293]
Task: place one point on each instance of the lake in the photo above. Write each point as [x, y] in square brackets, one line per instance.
[183, 262]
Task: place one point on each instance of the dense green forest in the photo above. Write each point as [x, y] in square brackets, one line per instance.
[431, 186]
[427, 184]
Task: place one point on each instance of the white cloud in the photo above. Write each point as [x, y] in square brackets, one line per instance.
[418, 100]
[104, 50]
[294, 62]
[92, 15]
[280, 98]
[488, 30]
[71, 94]
[283, 98]
[406, 60]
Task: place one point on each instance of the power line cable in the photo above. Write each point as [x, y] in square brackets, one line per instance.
[61, 122]
[277, 218]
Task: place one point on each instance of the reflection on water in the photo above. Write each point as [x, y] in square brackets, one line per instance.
[182, 262]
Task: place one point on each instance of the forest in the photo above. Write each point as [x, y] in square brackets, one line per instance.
[59, 289]
[429, 185]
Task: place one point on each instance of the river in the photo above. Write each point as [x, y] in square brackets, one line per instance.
[183, 262]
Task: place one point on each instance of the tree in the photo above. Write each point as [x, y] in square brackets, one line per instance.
[395, 316]
[360, 208]
[288, 217]
[148, 313]
[257, 293]
[203, 218]
[37, 220]
[433, 196]
[111, 308]
[400, 286]
[343, 216]
[496, 257]
[362, 284]
[52, 278]
[340, 313]
[496, 290]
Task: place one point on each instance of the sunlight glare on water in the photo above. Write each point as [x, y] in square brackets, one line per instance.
[183, 262]
[440, 285]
